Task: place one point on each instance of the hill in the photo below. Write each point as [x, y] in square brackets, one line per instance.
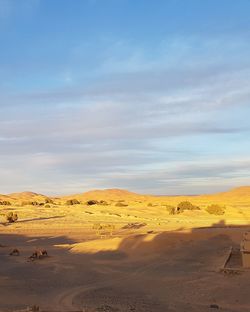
[108, 195]
[232, 196]
[239, 191]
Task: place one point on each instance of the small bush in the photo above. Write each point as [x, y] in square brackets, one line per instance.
[47, 206]
[5, 203]
[216, 210]
[92, 202]
[186, 205]
[11, 217]
[104, 229]
[71, 202]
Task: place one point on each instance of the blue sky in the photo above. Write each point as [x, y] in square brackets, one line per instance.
[151, 96]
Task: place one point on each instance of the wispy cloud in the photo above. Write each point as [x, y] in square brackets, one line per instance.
[167, 119]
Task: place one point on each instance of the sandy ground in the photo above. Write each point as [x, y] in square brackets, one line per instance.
[153, 261]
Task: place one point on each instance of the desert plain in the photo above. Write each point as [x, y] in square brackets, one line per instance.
[118, 251]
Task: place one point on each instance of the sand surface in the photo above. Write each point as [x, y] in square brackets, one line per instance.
[151, 262]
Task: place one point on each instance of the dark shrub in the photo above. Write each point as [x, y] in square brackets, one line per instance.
[30, 203]
[92, 202]
[186, 205]
[5, 203]
[11, 217]
[71, 202]
[216, 210]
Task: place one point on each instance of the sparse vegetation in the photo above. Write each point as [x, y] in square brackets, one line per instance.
[71, 202]
[11, 217]
[104, 229]
[181, 207]
[30, 203]
[216, 210]
[186, 205]
[5, 203]
[92, 202]
[133, 226]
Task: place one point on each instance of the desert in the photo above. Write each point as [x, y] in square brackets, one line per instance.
[124, 155]
[113, 250]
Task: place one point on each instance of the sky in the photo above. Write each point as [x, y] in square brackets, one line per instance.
[149, 96]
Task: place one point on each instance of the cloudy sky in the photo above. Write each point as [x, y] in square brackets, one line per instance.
[150, 96]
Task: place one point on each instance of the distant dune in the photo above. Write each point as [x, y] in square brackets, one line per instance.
[239, 191]
[242, 192]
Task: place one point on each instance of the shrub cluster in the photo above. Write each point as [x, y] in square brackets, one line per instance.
[5, 203]
[215, 210]
[92, 202]
[186, 205]
[181, 207]
[36, 203]
[71, 202]
[30, 203]
[11, 217]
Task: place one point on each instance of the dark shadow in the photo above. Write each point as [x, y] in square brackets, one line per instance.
[39, 219]
[152, 271]
[30, 220]
[222, 224]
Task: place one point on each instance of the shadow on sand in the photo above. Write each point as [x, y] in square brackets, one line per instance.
[39, 219]
[31, 219]
[147, 272]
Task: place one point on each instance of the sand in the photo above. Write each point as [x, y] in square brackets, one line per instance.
[151, 262]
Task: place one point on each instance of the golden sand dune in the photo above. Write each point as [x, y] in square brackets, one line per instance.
[235, 194]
